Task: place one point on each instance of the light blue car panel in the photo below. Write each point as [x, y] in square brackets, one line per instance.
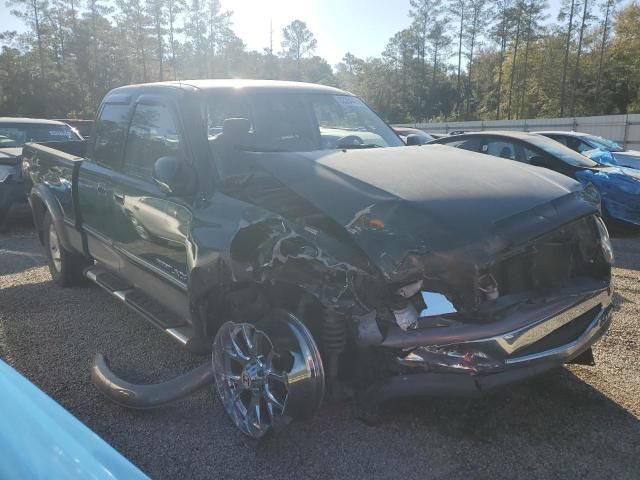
[41, 440]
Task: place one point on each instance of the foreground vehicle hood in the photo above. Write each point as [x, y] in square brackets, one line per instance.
[432, 199]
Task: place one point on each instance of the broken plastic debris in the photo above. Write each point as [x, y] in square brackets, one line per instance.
[437, 304]
[410, 290]
[406, 317]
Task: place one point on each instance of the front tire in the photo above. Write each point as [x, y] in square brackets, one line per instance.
[267, 374]
[65, 267]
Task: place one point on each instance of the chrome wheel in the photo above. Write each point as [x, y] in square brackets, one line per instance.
[54, 249]
[267, 376]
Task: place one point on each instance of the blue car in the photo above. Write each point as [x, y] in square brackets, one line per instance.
[41, 440]
[619, 187]
[600, 149]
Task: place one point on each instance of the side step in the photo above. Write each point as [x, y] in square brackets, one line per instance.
[144, 305]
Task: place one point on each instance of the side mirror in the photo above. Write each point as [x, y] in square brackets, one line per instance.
[539, 161]
[173, 176]
[413, 140]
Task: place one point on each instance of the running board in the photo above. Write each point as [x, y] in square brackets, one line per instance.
[141, 303]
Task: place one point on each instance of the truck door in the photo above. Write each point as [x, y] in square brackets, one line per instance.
[96, 180]
[150, 226]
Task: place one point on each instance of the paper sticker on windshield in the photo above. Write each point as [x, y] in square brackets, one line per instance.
[349, 101]
[59, 133]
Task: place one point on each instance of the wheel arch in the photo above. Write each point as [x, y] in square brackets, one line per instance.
[43, 201]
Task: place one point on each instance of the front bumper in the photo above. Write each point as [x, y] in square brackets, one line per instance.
[564, 330]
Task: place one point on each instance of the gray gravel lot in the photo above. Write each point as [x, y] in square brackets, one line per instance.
[578, 422]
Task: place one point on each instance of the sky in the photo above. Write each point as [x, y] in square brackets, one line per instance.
[362, 27]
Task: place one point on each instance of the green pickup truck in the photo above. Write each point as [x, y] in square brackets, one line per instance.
[286, 228]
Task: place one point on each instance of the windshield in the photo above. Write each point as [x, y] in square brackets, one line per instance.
[560, 151]
[17, 134]
[296, 122]
[604, 143]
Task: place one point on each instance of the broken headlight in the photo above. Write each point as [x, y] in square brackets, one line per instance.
[605, 241]
[451, 358]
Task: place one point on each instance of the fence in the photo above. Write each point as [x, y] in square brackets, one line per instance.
[624, 129]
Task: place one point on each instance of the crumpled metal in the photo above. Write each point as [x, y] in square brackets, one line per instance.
[619, 189]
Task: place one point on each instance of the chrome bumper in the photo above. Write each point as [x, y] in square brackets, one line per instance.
[595, 329]
[449, 369]
[516, 340]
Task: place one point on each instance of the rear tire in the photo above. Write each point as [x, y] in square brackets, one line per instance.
[65, 267]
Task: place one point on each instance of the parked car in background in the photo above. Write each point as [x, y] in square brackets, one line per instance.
[14, 133]
[404, 132]
[286, 227]
[600, 149]
[618, 187]
[83, 127]
[39, 439]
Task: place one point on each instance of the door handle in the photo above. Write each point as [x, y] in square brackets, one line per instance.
[119, 197]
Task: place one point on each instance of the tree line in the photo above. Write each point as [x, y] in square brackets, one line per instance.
[456, 59]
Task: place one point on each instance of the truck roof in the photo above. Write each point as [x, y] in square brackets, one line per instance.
[40, 121]
[213, 84]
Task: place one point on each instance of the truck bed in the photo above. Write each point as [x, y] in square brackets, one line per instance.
[51, 170]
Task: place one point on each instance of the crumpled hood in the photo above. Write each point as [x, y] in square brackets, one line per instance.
[10, 155]
[431, 198]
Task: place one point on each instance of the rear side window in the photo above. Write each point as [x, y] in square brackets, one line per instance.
[110, 130]
[562, 140]
[500, 148]
[153, 134]
[221, 107]
[471, 144]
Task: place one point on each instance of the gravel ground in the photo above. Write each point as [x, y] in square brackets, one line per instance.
[578, 422]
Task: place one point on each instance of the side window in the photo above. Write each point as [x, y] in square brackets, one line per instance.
[582, 146]
[153, 134]
[471, 144]
[535, 157]
[499, 148]
[562, 140]
[109, 134]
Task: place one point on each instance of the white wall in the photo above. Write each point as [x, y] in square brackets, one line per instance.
[624, 129]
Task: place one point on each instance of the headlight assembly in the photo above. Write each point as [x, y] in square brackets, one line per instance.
[605, 241]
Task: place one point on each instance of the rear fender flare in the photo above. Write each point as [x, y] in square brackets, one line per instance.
[40, 195]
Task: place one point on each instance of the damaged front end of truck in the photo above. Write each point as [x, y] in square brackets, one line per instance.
[385, 274]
